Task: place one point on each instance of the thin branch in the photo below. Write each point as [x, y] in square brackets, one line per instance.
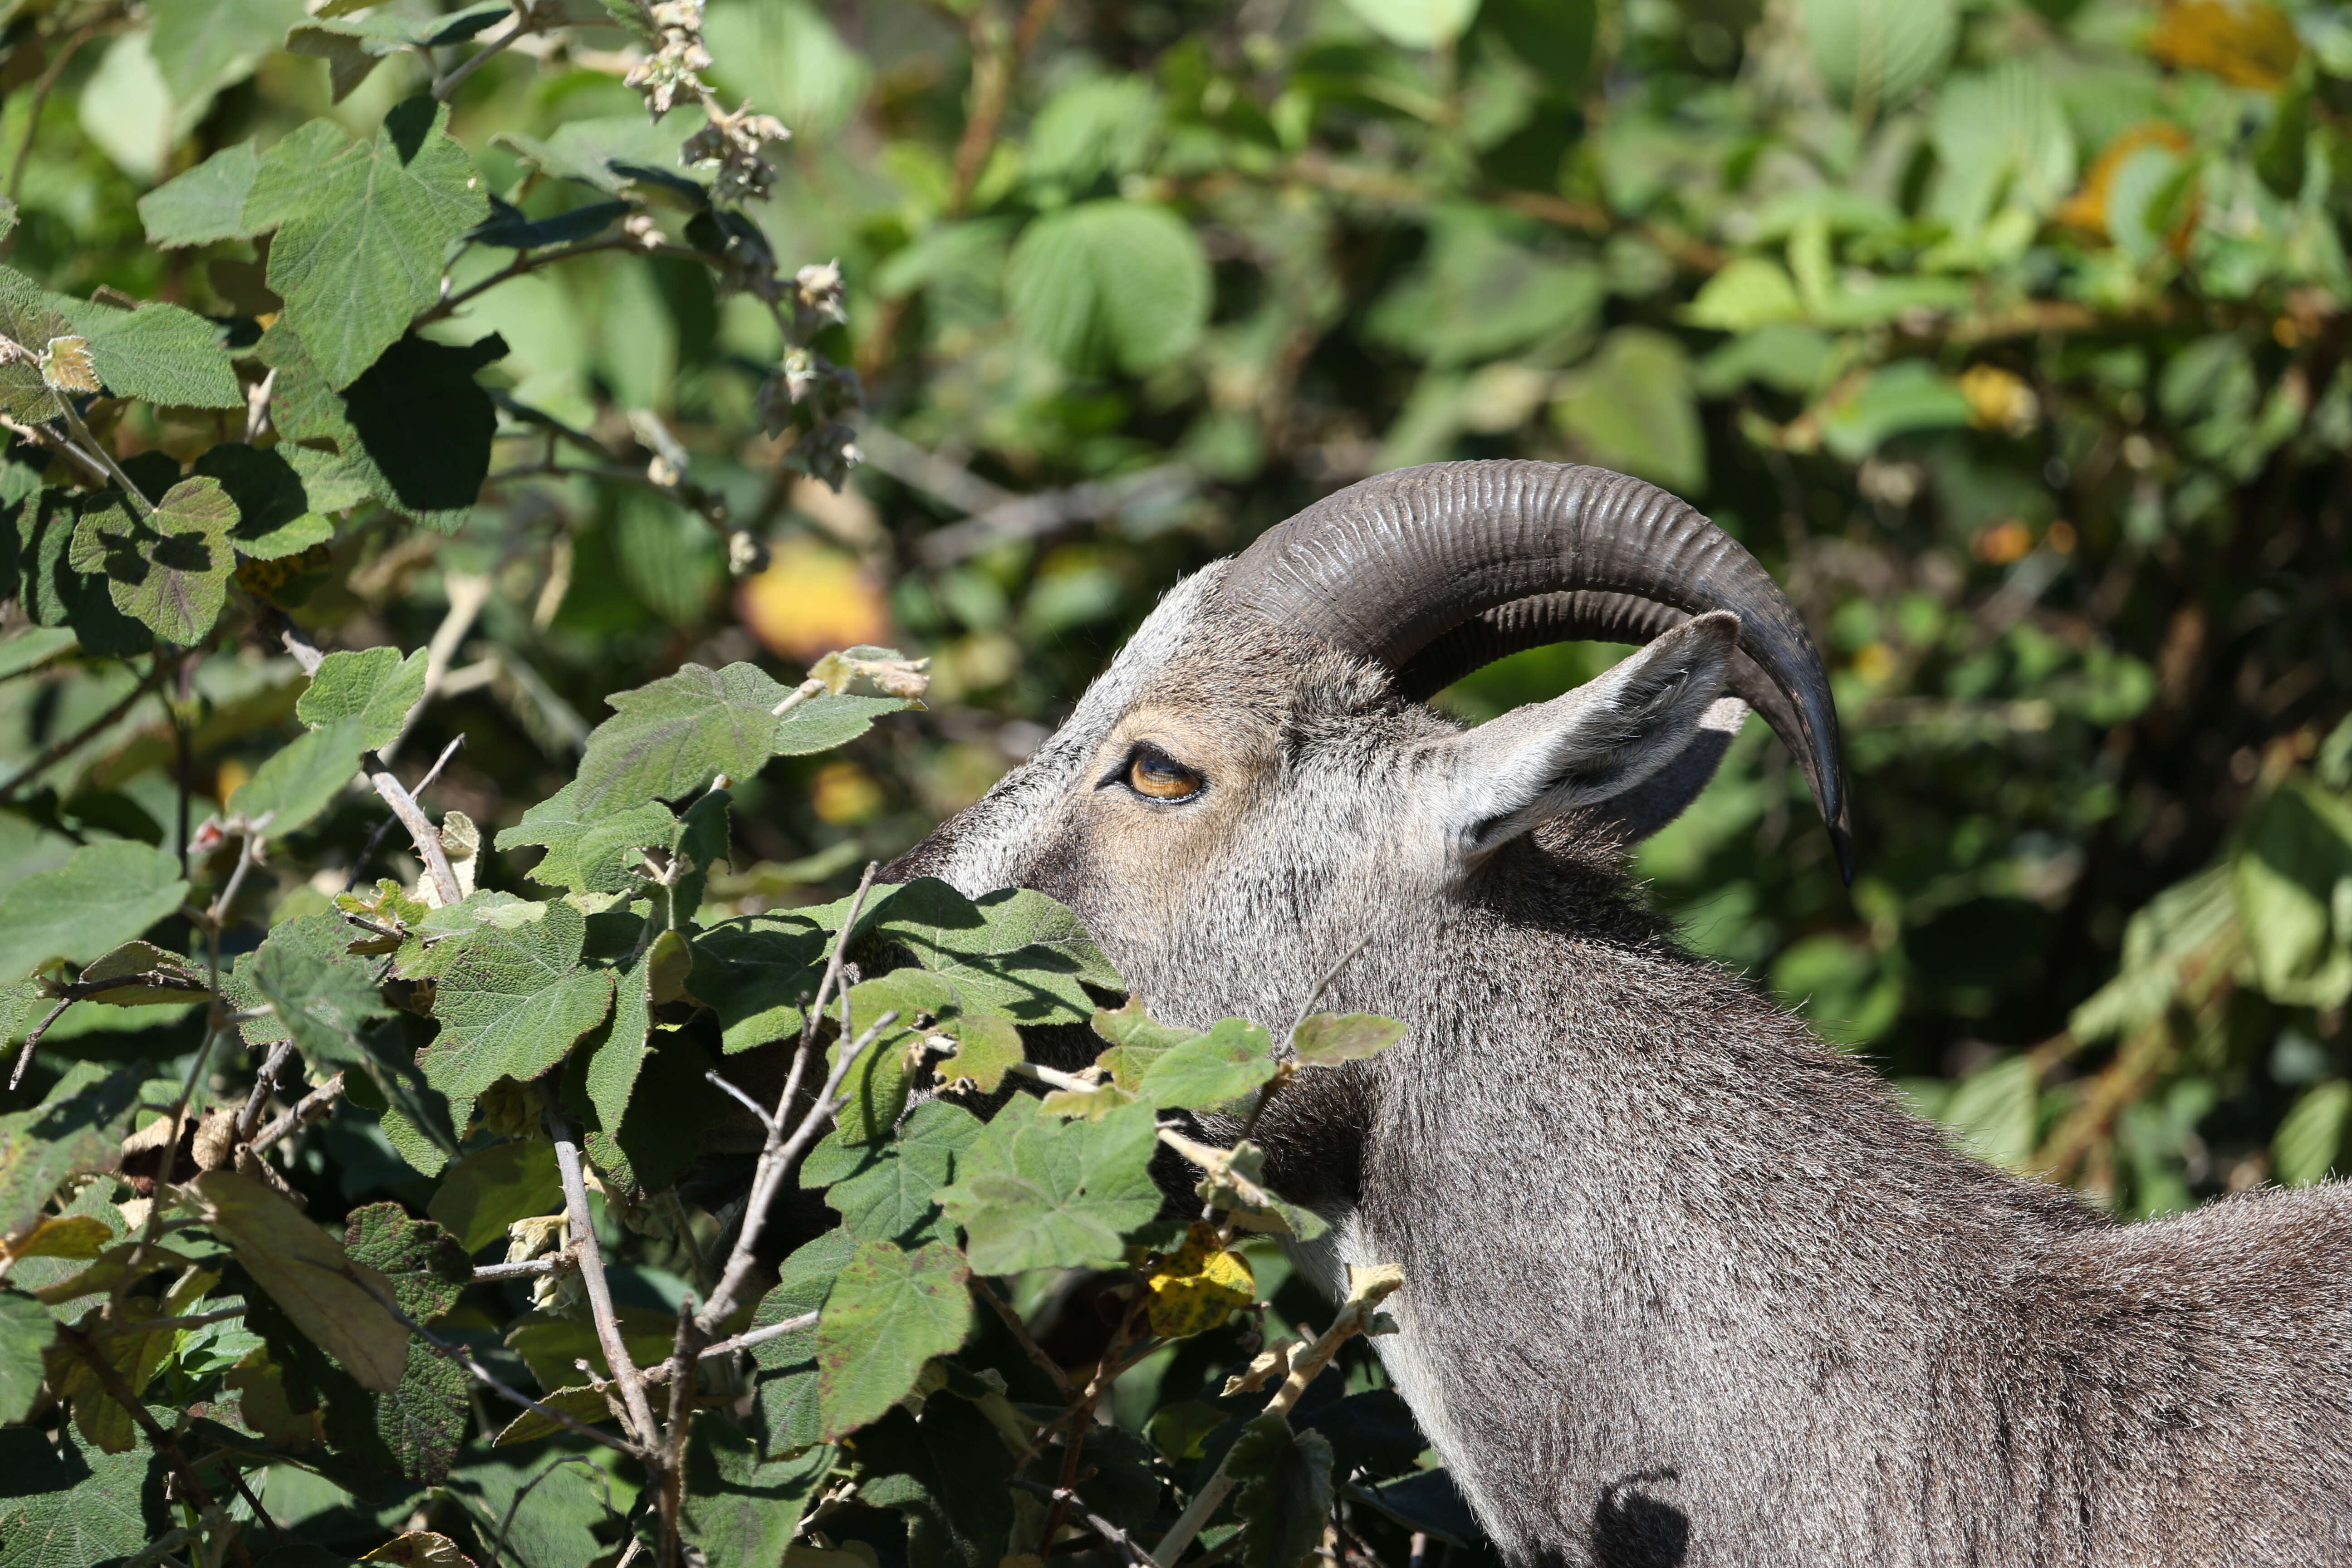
[1080, 1416]
[448, 85]
[1370, 1288]
[526, 263]
[527, 1269]
[1111, 1535]
[66, 746]
[1021, 1337]
[591, 1255]
[464, 1358]
[467, 594]
[309, 1108]
[135, 497]
[118, 1388]
[33, 1040]
[778, 1153]
[421, 831]
[264, 1082]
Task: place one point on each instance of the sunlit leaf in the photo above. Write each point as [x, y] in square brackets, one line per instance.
[889, 1312]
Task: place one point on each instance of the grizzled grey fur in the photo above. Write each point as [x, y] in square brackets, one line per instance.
[1683, 1286]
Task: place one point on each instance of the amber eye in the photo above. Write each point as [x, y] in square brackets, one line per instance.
[1160, 777]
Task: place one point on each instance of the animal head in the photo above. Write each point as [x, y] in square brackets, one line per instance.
[1256, 786]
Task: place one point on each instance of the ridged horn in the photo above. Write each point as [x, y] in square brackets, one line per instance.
[1438, 570]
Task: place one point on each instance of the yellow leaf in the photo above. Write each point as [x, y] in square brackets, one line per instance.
[1199, 1286]
[2086, 209]
[332, 1298]
[420, 1549]
[61, 1235]
[2251, 45]
[1999, 399]
[812, 600]
[66, 366]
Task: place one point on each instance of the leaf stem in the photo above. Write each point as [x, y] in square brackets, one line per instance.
[132, 494]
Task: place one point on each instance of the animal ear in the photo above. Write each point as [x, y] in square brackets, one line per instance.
[1665, 795]
[1593, 744]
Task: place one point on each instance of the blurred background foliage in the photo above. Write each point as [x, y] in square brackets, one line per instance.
[2008, 335]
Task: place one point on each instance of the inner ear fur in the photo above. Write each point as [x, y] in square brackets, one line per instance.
[1591, 745]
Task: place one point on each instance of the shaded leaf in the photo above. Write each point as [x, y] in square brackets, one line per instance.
[78, 1129]
[743, 1514]
[26, 1329]
[1013, 951]
[304, 1272]
[1285, 1492]
[886, 1192]
[491, 1188]
[66, 1506]
[422, 1421]
[582, 1404]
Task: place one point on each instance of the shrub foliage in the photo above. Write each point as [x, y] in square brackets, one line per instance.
[464, 1101]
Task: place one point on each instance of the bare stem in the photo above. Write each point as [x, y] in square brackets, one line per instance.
[1021, 1337]
[309, 1108]
[132, 494]
[263, 1082]
[448, 85]
[591, 1254]
[421, 832]
[1369, 1289]
[1111, 1535]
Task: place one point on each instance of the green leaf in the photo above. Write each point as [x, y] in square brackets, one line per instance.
[362, 231]
[1630, 407]
[753, 972]
[1894, 399]
[2296, 851]
[1233, 1059]
[204, 204]
[1750, 291]
[582, 1404]
[26, 1329]
[589, 852]
[1873, 53]
[422, 1421]
[1118, 281]
[987, 1048]
[371, 692]
[2310, 1139]
[201, 44]
[609, 1077]
[739, 1513]
[669, 739]
[802, 1285]
[30, 321]
[158, 352]
[1285, 1494]
[168, 571]
[491, 1188]
[887, 1193]
[889, 1312]
[69, 1506]
[414, 431]
[296, 782]
[1326, 1039]
[32, 647]
[304, 1271]
[1035, 1192]
[947, 1471]
[1417, 24]
[1482, 292]
[107, 893]
[1013, 951]
[549, 1508]
[321, 993]
[512, 1001]
[277, 515]
[79, 1127]
[1137, 1039]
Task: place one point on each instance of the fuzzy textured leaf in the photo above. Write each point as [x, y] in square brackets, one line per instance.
[303, 1270]
[1035, 1192]
[362, 231]
[205, 203]
[512, 1000]
[107, 894]
[889, 1311]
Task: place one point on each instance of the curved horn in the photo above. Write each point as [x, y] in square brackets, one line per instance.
[1437, 570]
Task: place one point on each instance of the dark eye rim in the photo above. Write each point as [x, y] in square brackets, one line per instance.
[1122, 775]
